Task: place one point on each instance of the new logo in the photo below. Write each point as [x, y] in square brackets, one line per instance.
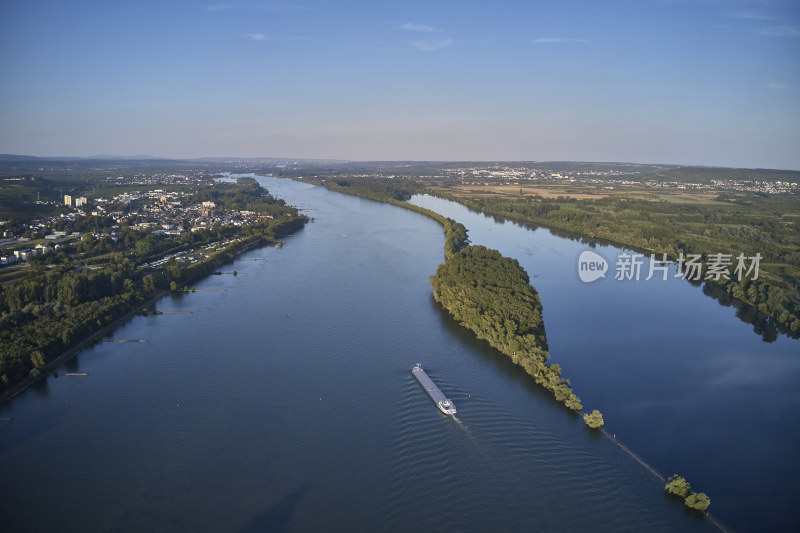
[591, 266]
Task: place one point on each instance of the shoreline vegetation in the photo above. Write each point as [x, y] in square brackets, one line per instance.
[689, 211]
[487, 293]
[491, 295]
[57, 309]
[68, 354]
[734, 225]
[678, 486]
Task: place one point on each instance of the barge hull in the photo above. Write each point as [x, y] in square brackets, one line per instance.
[441, 401]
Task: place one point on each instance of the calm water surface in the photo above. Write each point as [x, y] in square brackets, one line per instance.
[286, 402]
[678, 377]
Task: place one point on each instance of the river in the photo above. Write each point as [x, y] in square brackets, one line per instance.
[285, 402]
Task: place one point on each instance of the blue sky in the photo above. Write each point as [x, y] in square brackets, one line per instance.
[660, 81]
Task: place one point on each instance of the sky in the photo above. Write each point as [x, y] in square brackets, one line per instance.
[692, 82]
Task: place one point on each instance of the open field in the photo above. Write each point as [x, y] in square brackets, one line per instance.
[583, 191]
[655, 219]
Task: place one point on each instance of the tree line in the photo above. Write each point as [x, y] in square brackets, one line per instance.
[491, 295]
[485, 292]
[67, 296]
[678, 486]
[757, 225]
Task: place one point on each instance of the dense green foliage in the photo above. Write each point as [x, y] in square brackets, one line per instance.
[244, 195]
[594, 419]
[491, 295]
[380, 189]
[698, 501]
[679, 487]
[732, 225]
[486, 292]
[455, 236]
[95, 281]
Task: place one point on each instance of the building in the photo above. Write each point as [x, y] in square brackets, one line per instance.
[68, 200]
[208, 209]
[80, 201]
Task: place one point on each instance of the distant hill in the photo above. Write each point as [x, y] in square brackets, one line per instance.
[99, 157]
[13, 164]
[12, 157]
[106, 157]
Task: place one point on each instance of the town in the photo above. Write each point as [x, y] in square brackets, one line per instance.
[97, 258]
[160, 212]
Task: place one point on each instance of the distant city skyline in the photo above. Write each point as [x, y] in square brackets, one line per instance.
[690, 82]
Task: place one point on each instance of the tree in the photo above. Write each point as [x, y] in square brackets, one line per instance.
[145, 246]
[37, 358]
[174, 269]
[574, 403]
[697, 501]
[678, 486]
[594, 420]
[149, 283]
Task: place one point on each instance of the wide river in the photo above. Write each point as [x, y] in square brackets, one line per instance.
[285, 402]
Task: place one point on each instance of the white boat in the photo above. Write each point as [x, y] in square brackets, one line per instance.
[444, 404]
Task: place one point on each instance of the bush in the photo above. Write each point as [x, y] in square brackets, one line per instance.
[698, 501]
[594, 420]
[678, 486]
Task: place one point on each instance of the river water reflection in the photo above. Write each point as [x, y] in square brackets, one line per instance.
[286, 402]
[678, 377]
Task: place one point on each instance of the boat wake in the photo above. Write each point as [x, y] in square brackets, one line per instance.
[467, 431]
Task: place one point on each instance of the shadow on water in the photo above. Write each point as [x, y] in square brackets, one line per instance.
[498, 359]
[513, 371]
[278, 516]
[763, 325]
[71, 364]
[41, 388]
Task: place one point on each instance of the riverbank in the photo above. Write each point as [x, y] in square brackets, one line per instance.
[196, 271]
[491, 295]
[239, 394]
[681, 230]
[48, 369]
[499, 306]
[527, 351]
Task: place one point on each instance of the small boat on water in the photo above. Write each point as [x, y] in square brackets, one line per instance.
[441, 401]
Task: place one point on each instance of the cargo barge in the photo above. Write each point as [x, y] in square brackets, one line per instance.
[444, 405]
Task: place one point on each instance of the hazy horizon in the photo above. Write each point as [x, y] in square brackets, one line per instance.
[144, 157]
[690, 82]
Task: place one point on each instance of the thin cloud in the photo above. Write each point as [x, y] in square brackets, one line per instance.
[418, 27]
[752, 16]
[778, 31]
[430, 45]
[278, 8]
[278, 38]
[778, 86]
[548, 40]
[261, 7]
